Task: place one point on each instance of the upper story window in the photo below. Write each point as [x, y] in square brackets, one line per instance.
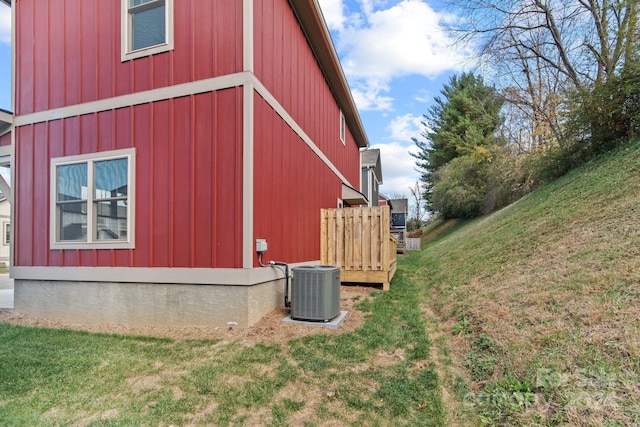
[343, 129]
[92, 200]
[147, 27]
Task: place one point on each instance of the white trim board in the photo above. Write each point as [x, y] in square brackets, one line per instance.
[247, 176]
[130, 100]
[196, 276]
[282, 112]
[247, 35]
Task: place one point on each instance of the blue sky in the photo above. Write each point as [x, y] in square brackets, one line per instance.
[5, 57]
[396, 58]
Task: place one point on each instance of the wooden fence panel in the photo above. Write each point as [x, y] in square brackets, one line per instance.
[358, 240]
[413, 244]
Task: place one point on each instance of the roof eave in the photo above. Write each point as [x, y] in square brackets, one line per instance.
[6, 119]
[7, 2]
[312, 22]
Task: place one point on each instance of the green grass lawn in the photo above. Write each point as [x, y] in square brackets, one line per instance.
[541, 302]
[380, 374]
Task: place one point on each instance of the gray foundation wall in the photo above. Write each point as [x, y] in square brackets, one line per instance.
[147, 304]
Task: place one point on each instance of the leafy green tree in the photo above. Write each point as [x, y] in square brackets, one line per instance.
[465, 118]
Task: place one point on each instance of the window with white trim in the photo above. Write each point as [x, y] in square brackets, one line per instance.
[93, 200]
[342, 128]
[147, 27]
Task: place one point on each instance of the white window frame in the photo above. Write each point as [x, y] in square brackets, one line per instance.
[343, 128]
[127, 52]
[92, 242]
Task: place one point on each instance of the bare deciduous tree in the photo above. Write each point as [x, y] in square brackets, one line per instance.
[540, 50]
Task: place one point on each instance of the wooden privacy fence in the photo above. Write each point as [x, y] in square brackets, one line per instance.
[358, 240]
[413, 244]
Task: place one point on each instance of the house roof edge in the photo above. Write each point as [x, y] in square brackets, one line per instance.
[312, 21]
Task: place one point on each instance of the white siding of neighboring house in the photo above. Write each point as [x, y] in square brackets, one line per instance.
[5, 220]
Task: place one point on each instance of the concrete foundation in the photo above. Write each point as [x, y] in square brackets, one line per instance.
[147, 304]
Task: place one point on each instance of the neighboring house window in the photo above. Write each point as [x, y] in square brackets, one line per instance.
[7, 234]
[342, 128]
[147, 27]
[93, 200]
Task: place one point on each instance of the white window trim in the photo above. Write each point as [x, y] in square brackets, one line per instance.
[343, 128]
[127, 53]
[91, 243]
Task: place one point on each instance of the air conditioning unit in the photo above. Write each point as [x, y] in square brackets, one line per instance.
[315, 293]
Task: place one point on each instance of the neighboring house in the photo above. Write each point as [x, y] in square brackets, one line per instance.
[399, 212]
[156, 140]
[6, 118]
[383, 200]
[6, 121]
[371, 174]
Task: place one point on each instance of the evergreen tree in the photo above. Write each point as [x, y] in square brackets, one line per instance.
[460, 122]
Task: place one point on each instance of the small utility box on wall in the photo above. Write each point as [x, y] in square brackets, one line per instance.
[315, 293]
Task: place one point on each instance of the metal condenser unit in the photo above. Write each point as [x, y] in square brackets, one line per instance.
[315, 293]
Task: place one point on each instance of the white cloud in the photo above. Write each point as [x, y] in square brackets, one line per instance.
[398, 168]
[378, 44]
[405, 127]
[333, 11]
[405, 39]
[371, 96]
[423, 96]
[5, 24]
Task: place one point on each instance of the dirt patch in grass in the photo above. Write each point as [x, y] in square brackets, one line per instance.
[270, 328]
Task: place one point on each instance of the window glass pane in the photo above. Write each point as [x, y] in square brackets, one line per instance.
[398, 220]
[148, 27]
[73, 221]
[111, 220]
[111, 178]
[72, 182]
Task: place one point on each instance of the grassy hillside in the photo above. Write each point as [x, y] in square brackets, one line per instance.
[541, 302]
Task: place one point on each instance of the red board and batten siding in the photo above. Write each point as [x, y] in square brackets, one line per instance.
[188, 150]
[69, 52]
[292, 183]
[287, 67]
[188, 185]
[5, 140]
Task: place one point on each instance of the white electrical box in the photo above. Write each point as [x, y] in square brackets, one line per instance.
[261, 245]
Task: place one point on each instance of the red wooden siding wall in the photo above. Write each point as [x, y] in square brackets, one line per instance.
[69, 51]
[285, 64]
[188, 190]
[5, 140]
[292, 184]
